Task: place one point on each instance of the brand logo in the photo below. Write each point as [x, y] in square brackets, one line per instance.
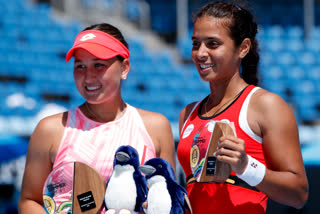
[254, 165]
[188, 131]
[87, 37]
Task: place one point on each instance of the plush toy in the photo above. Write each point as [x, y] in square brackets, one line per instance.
[126, 188]
[165, 195]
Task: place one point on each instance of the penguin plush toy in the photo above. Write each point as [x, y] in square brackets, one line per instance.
[165, 195]
[126, 188]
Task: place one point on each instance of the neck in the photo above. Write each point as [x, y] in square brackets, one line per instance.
[221, 96]
[103, 114]
[221, 91]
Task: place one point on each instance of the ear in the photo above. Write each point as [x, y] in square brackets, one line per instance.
[244, 48]
[125, 66]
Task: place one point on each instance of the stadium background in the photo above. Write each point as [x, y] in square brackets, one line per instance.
[35, 80]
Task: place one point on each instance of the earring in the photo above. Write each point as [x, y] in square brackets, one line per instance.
[242, 55]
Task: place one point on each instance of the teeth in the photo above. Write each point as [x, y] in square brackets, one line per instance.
[93, 87]
[206, 66]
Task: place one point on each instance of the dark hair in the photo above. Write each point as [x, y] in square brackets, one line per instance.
[241, 25]
[111, 30]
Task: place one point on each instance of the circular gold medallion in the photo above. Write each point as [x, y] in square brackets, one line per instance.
[49, 204]
[194, 155]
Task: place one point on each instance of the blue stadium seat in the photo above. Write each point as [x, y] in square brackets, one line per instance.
[274, 32]
[313, 45]
[295, 32]
[274, 44]
[267, 58]
[305, 89]
[273, 73]
[294, 44]
[307, 58]
[307, 108]
[295, 74]
[286, 57]
[315, 33]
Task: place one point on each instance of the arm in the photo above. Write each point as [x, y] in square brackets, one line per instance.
[166, 141]
[285, 180]
[159, 128]
[38, 166]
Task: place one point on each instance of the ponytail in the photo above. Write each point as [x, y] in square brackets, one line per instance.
[250, 64]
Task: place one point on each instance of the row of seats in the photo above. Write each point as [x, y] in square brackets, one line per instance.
[270, 13]
[35, 67]
[39, 74]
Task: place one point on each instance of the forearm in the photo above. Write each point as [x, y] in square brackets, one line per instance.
[27, 206]
[285, 187]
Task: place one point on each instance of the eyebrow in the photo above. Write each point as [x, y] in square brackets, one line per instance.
[95, 59]
[205, 38]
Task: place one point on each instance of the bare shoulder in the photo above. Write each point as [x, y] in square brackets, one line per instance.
[268, 111]
[159, 129]
[52, 124]
[184, 114]
[266, 101]
[48, 133]
[186, 111]
[153, 119]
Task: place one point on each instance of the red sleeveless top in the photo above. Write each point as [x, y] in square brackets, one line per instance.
[223, 197]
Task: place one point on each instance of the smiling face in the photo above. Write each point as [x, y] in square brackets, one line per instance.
[214, 53]
[98, 80]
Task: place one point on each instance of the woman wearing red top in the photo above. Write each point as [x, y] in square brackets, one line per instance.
[265, 155]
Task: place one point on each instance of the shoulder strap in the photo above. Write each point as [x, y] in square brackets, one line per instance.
[195, 106]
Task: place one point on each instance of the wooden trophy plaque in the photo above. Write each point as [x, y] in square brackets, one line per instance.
[88, 189]
[214, 170]
[74, 187]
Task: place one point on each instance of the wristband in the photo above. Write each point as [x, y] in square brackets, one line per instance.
[254, 172]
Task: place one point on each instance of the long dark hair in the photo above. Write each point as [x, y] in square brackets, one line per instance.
[242, 25]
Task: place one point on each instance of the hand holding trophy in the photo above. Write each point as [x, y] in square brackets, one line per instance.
[205, 167]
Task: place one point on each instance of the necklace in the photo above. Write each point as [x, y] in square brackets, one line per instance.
[95, 116]
[228, 101]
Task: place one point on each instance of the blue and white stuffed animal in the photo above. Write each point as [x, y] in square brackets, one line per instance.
[165, 195]
[126, 188]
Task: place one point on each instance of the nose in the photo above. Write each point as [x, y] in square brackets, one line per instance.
[202, 52]
[90, 73]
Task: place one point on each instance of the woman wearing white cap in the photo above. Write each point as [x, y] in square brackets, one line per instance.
[92, 132]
